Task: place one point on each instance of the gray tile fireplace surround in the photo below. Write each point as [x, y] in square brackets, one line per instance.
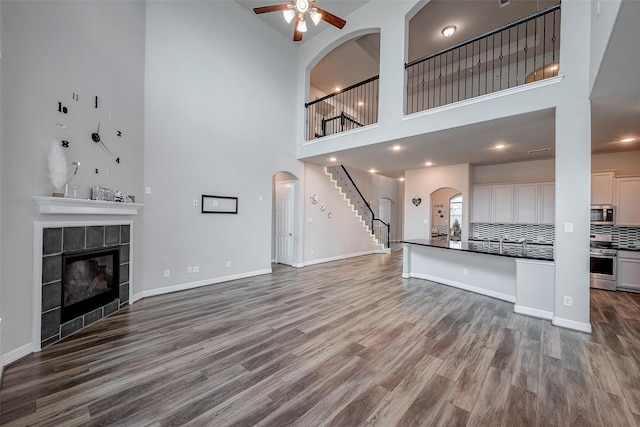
[55, 242]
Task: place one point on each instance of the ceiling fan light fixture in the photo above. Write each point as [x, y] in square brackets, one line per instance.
[302, 26]
[449, 30]
[302, 5]
[315, 16]
[289, 14]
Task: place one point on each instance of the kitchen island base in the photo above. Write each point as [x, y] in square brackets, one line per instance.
[528, 283]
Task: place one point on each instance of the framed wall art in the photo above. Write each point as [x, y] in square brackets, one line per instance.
[219, 204]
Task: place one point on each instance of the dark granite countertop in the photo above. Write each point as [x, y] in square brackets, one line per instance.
[542, 252]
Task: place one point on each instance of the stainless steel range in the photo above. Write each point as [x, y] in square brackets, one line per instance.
[603, 258]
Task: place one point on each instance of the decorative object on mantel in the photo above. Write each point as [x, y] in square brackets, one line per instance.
[416, 200]
[57, 168]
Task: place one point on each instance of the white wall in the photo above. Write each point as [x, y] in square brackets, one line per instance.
[625, 163]
[326, 238]
[52, 49]
[603, 19]
[423, 182]
[218, 105]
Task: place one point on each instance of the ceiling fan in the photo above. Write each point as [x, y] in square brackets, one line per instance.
[298, 9]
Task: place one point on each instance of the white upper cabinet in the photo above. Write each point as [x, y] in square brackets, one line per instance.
[628, 201]
[547, 213]
[502, 196]
[481, 204]
[602, 188]
[526, 203]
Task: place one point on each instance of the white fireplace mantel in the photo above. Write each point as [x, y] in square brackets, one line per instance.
[65, 205]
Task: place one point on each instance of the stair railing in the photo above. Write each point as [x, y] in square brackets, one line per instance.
[379, 228]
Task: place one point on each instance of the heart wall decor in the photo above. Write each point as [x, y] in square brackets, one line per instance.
[416, 200]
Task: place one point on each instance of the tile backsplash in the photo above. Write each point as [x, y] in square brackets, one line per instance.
[621, 236]
[536, 233]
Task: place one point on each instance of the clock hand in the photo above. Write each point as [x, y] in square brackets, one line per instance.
[105, 147]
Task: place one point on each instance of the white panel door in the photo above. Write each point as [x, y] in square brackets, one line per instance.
[284, 222]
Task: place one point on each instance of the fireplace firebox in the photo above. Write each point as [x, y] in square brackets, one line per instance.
[89, 280]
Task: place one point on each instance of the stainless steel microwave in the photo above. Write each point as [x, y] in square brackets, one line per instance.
[603, 214]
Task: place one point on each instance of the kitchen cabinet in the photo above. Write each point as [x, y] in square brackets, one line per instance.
[628, 201]
[602, 188]
[481, 204]
[502, 203]
[547, 203]
[526, 203]
[628, 274]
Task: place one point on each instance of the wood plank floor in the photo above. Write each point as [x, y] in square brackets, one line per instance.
[339, 344]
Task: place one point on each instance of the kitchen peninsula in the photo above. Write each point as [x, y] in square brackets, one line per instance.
[518, 273]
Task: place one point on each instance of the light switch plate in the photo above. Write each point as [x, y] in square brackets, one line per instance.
[568, 227]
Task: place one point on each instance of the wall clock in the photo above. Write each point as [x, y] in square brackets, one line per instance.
[100, 136]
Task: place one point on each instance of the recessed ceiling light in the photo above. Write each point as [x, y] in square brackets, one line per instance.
[372, 171]
[400, 179]
[500, 146]
[332, 159]
[396, 148]
[429, 164]
[449, 30]
[629, 139]
[337, 89]
[361, 103]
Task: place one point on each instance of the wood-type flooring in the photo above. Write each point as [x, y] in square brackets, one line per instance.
[345, 343]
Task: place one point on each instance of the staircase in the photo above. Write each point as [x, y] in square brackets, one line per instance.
[378, 230]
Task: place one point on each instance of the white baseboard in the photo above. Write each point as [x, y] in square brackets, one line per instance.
[17, 354]
[337, 258]
[297, 265]
[466, 287]
[572, 324]
[199, 283]
[533, 312]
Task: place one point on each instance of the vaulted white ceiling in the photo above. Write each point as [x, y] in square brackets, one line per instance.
[615, 99]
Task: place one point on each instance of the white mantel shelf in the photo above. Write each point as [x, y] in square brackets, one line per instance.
[69, 206]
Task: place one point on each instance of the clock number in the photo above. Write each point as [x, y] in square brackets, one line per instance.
[62, 108]
[118, 160]
[96, 102]
[65, 144]
[119, 133]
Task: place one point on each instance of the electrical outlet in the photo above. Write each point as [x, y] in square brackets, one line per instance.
[195, 203]
[568, 227]
[167, 273]
[189, 270]
[311, 252]
[196, 269]
[147, 190]
[228, 264]
[465, 271]
[568, 301]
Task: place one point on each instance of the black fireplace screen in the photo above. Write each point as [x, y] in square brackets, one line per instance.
[89, 280]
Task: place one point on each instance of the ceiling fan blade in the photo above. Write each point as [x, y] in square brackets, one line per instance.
[331, 18]
[272, 8]
[297, 35]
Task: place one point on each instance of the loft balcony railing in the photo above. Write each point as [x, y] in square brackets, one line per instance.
[351, 108]
[524, 51]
